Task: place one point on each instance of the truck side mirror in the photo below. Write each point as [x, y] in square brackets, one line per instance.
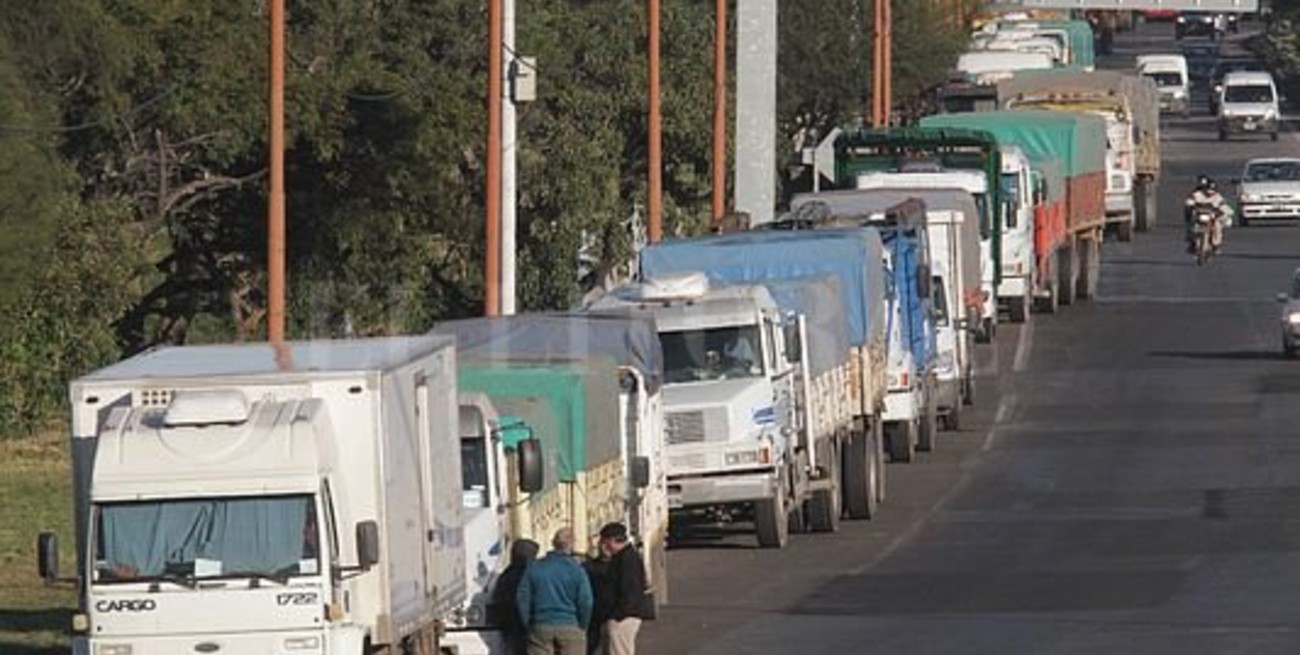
[793, 344]
[641, 472]
[47, 557]
[367, 544]
[923, 282]
[531, 471]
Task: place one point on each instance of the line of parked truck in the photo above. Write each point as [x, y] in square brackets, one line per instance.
[362, 495]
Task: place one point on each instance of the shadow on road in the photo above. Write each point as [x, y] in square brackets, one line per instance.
[1261, 256]
[712, 536]
[1227, 355]
[1151, 262]
[15, 624]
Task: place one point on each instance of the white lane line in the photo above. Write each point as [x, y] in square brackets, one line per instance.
[1024, 346]
[1004, 412]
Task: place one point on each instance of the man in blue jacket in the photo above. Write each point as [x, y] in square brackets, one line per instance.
[555, 601]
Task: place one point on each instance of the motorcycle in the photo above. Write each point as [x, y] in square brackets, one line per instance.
[1202, 233]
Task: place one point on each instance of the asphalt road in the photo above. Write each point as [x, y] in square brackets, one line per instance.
[1132, 485]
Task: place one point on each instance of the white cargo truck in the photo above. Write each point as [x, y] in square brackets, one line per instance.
[953, 227]
[300, 498]
[751, 428]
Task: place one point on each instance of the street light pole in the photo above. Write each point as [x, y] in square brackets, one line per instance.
[492, 268]
[275, 201]
[509, 171]
[719, 111]
[655, 203]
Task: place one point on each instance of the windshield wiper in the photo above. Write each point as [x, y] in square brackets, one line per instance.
[187, 581]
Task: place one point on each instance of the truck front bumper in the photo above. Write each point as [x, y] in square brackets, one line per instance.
[947, 391]
[1013, 287]
[1172, 104]
[1119, 203]
[723, 489]
[902, 406]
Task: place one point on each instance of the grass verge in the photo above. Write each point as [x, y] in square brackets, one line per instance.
[35, 495]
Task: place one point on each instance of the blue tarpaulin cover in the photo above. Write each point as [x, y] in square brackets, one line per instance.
[855, 256]
[817, 298]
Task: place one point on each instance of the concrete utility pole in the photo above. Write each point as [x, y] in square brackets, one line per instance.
[492, 268]
[656, 164]
[756, 43]
[275, 201]
[509, 175]
[719, 111]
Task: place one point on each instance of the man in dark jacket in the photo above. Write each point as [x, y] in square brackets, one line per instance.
[555, 601]
[622, 600]
[503, 612]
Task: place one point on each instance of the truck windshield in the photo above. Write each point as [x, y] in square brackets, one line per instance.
[193, 539]
[724, 353]
[1010, 195]
[939, 302]
[1166, 80]
[1248, 93]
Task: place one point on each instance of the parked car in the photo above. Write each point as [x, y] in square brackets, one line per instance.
[1269, 188]
[1157, 15]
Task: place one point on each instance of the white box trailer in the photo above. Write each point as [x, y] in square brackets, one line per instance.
[263, 499]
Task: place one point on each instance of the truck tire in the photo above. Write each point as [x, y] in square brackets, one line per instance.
[859, 474]
[1067, 273]
[1019, 310]
[968, 389]
[1124, 231]
[877, 445]
[902, 442]
[1144, 217]
[927, 435]
[772, 521]
[952, 419]
[823, 508]
[1090, 269]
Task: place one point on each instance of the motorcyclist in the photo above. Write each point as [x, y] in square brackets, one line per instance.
[1206, 194]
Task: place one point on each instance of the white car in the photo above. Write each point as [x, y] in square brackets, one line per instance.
[1291, 316]
[1269, 188]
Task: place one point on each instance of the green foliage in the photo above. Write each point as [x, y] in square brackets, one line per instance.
[133, 149]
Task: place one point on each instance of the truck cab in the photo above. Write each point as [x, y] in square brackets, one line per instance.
[728, 396]
[1016, 292]
[245, 498]
[973, 183]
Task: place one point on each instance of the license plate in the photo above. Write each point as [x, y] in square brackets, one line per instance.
[1249, 126]
[674, 501]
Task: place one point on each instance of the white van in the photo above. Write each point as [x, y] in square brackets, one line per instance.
[1248, 104]
[1169, 72]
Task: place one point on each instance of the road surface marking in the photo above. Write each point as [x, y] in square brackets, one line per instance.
[1024, 345]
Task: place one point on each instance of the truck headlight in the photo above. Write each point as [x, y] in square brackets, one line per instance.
[302, 643]
[113, 649]
[743, 457]
[1251, 197]
[1293, 318]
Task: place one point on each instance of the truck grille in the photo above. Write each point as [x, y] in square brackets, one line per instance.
[694, 426]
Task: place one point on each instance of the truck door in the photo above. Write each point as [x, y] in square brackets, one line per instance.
[438, 420]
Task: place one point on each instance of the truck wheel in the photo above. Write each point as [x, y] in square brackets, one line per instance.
[772, 521]
[902, 442]
[823, 508]
[952, 420]
[859, 475]
[1151, 203]
[1090, 272]
[1067, 277]
[928, 433]
[968, 389]
[1019, 310]
[878, 469]
[1124, 231]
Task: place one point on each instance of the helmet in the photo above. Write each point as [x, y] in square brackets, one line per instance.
[1204, 182]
